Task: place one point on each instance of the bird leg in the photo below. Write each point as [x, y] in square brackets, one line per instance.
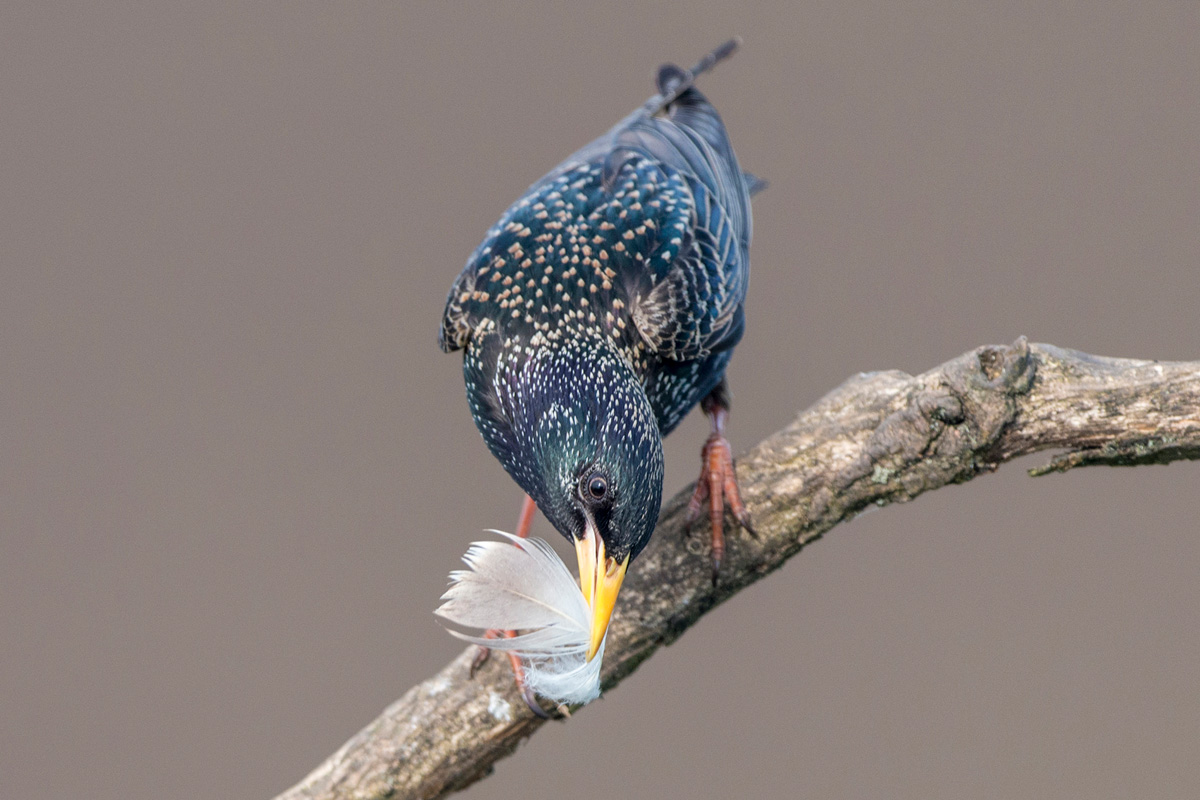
[524, 523]
[718, 481]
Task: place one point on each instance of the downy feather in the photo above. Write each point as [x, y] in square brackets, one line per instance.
[527, 587]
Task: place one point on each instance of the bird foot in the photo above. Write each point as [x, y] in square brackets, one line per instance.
[481, 657]
[524, 522]
[718, 485]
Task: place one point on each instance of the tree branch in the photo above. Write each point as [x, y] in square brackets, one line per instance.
[879, 438]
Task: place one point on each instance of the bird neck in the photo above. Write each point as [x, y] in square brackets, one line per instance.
[547, 410]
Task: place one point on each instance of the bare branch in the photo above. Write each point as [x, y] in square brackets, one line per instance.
[879, 438]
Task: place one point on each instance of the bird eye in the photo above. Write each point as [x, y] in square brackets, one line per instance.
[595, 487]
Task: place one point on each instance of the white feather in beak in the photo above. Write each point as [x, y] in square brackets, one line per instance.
[528, 588]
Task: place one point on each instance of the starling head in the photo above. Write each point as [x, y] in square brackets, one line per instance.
[572, 425]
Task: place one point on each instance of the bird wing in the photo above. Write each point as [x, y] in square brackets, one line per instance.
[693, 305]
[687, 289]
[456, 318]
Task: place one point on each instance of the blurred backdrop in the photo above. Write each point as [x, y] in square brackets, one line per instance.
[236, 469]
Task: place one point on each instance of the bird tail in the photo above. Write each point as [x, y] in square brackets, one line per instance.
[673, 81]
[681, 128]
[686, 106]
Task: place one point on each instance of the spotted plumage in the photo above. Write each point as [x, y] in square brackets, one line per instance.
[602, 306]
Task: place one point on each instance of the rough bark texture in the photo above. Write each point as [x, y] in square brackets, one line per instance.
[879, 438]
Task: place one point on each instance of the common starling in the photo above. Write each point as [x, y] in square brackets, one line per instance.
[600, 309]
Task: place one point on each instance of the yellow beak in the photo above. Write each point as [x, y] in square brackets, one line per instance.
[600, 580]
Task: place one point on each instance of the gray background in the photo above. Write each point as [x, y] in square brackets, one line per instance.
[236, 469]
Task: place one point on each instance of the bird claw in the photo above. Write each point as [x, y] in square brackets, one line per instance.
[718, 485]
[481, 657]
[483, 653]
[531, 701]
